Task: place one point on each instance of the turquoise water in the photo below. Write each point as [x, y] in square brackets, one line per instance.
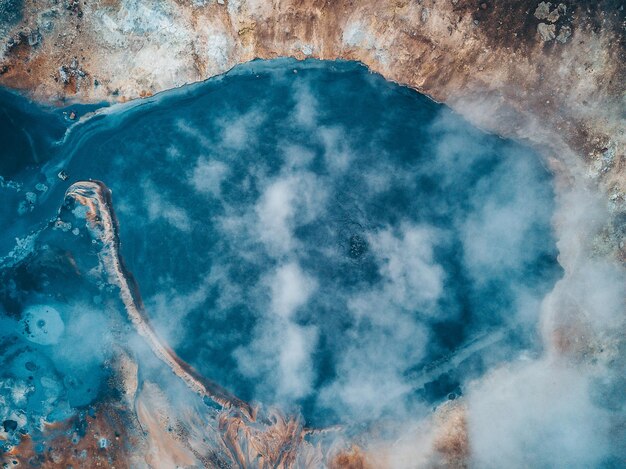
[306, 234]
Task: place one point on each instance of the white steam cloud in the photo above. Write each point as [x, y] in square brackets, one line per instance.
[280, 353]
[559, 406]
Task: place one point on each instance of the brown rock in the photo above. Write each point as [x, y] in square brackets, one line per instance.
[564, 33]
[543, 10]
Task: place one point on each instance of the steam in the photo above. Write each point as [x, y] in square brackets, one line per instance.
[534, 414]
[280, 353]
[332, 266]
[563, 408]
[378, 331]
[208, 176]
[158, 207]
[296, 195]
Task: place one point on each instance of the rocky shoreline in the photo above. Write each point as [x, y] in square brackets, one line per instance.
[552, 75]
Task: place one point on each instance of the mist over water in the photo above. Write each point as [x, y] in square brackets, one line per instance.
[304, 233]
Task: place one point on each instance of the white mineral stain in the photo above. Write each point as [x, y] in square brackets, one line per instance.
[42, 324]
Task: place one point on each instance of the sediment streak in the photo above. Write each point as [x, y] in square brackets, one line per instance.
[96, 196]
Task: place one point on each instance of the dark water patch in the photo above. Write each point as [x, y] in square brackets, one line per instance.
[26, 131]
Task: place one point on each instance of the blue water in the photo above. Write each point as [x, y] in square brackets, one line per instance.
[307, 234]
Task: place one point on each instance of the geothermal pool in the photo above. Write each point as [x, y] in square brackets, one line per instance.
[306, 234]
